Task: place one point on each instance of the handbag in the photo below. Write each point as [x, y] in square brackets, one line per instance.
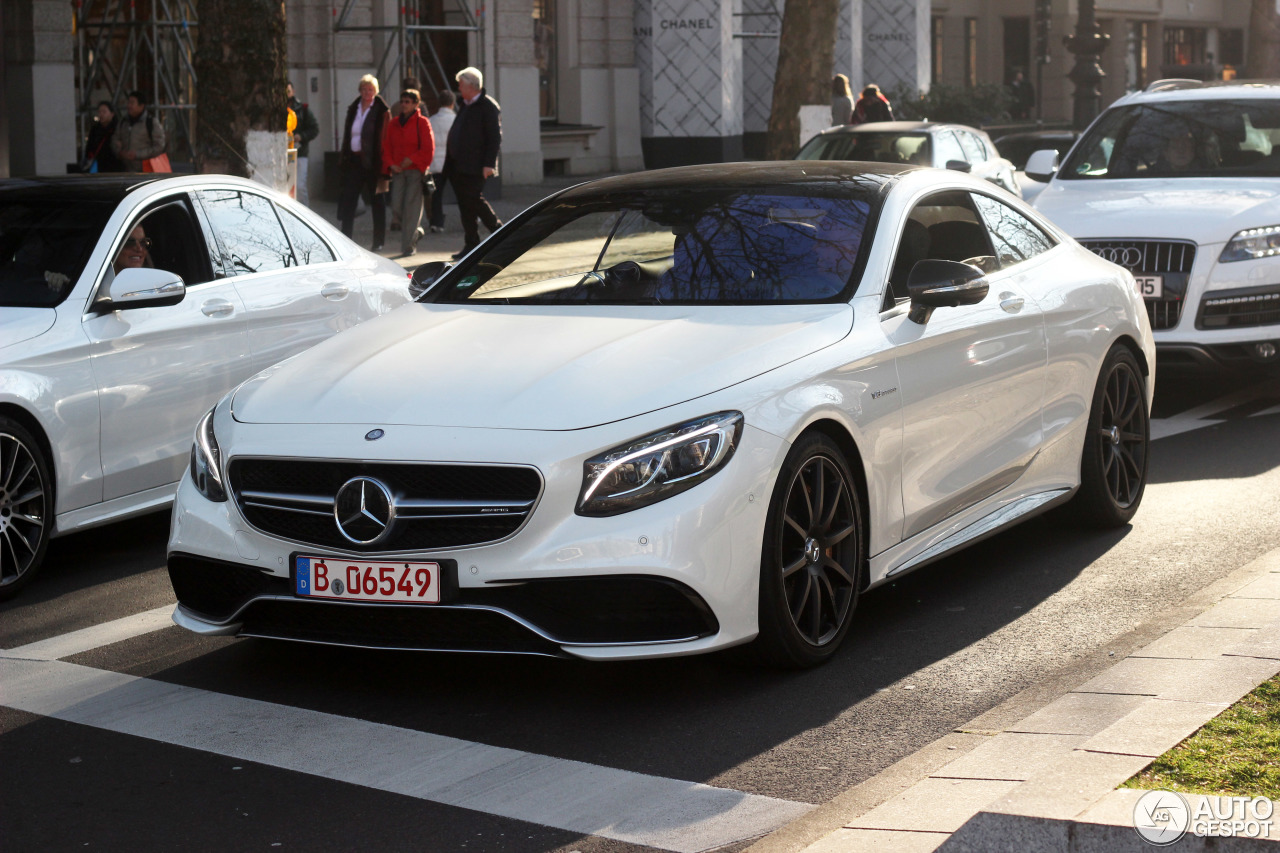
[158, 163]
[428, 183]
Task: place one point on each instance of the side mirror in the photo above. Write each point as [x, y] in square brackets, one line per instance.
[142, 287]
[1042, 165]
[943, 284]
[960, 165]
[425, 276]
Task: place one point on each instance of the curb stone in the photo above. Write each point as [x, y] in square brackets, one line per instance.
[1041, 770]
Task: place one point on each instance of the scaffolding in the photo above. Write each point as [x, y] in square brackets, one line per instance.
[409, 50]
[147, 45]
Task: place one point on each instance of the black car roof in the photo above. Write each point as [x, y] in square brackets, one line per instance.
[763, 174]
[104, 188]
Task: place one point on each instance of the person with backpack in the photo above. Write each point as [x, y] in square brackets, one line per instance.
[139, 137]
[407, 150]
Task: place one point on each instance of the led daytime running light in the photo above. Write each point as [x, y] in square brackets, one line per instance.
[1252, 244]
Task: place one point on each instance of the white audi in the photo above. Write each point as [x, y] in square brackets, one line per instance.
[673, 412]
[1180, 184]
[128, 306]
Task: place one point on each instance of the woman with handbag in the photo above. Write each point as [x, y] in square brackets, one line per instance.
[98, 155]
[407, 150]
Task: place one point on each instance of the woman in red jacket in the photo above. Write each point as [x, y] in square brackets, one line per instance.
[407, 149]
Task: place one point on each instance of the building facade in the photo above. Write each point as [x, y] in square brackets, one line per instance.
[590, 86]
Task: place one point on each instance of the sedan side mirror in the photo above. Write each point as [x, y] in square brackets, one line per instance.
[960, 165]
[943, 284]
[1042, 165]
[142, 287]
[425, 276]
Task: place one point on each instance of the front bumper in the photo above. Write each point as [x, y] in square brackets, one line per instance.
[678, 577]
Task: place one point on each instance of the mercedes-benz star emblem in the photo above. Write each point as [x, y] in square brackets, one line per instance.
[373, 435]
[364, 510]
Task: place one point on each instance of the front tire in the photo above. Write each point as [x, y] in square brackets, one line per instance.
[26, 507]
[812, 556]
[1113, 467]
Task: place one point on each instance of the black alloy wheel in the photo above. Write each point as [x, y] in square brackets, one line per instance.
[812, 557]
[26, 507]
[1113, 467]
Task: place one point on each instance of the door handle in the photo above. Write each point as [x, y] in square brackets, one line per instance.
[334, 291]
[217, 308]
[1011, 303]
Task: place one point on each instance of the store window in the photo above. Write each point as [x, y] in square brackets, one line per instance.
[971, 51]
[1137, 58]
[935, 47]
[1231, 52]
[544, 50]
[1184, 45]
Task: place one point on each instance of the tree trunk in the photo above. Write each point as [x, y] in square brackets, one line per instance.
[1263, 60]
[806, 61]
[240, 71]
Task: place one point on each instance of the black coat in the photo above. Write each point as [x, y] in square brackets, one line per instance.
[308, 128]
[99, 147]
[475, 137]
[375, 124]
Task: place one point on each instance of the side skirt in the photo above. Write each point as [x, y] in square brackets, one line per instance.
[920, 551]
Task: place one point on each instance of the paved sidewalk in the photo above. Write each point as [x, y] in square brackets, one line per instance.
[439, 247]
[1047, 781]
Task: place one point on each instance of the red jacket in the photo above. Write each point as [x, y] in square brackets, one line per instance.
[413, 139]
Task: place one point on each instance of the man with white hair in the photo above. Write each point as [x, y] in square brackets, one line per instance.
[471, 155]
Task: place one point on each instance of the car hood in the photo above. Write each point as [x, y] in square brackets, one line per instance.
[23, 324]
[533, 367]
[1201, 209]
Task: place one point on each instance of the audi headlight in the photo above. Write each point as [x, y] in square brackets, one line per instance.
[1252, 243]
[206, 461]
[658, 466]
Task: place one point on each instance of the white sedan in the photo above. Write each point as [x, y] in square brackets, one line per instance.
[673, 412]
[129, 306]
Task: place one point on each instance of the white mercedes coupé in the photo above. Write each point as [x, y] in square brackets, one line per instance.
[673, 412]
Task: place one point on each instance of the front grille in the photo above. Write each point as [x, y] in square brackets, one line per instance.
[1171, 259]
[1232, 309]
[437, 505]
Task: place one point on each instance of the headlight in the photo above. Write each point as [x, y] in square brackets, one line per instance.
[1252, 243]
[206, 461]
[658, 466]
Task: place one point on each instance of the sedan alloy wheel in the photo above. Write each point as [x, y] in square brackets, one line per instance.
[25, 504]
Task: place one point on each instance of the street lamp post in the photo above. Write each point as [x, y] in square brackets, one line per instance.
[1087, 43]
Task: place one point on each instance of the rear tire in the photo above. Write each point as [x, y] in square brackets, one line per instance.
[26, 507]
[811, 561]
[1113, 467]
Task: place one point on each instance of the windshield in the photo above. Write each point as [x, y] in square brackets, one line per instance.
[882, 147]
[695, 246]
[44, 246]
[1181, 138]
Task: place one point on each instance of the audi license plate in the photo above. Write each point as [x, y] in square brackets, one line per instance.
[341, 579]
[1150, 286]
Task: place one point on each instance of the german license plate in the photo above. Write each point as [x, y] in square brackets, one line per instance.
[340, 579]
[1150, 286]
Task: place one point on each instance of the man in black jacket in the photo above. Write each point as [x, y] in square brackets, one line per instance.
[471, 155]
[308, 129]
[362, 168]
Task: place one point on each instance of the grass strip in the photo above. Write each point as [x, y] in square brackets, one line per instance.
[1236, 753]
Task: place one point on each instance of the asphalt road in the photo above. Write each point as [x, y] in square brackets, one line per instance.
[929, 653]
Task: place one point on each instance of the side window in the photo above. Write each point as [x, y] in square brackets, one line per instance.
[251, 236]
[170, 241]
[948, 148]
[972, 145]
[308, 248]
[944, 226]
[1016, 238]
